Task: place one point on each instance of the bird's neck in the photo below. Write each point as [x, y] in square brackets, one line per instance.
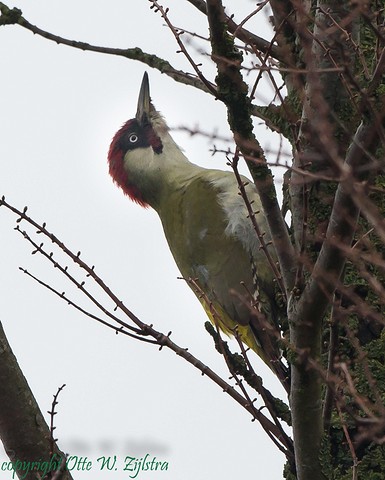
[156, 175]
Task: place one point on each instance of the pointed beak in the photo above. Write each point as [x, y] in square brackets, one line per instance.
[143, 111]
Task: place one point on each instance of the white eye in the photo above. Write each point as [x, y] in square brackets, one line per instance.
[133, 138]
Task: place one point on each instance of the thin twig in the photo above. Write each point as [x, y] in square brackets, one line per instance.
[117, 330]
[177, 34]
[350, 443]
[251, 215]
[52, 414]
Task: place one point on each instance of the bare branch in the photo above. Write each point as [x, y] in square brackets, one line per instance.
[14, 16]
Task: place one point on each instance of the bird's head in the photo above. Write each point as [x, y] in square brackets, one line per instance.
[136, 148]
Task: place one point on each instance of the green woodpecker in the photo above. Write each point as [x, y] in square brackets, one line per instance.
[207, 228]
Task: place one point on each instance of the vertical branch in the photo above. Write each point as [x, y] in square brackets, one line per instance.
[232, 91]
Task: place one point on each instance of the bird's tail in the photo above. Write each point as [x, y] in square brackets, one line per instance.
[268, 338]
[266, 328]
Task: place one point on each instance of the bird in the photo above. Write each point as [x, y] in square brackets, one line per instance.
[207, 227]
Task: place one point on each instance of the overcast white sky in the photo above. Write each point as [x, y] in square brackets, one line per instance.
[60, 108]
